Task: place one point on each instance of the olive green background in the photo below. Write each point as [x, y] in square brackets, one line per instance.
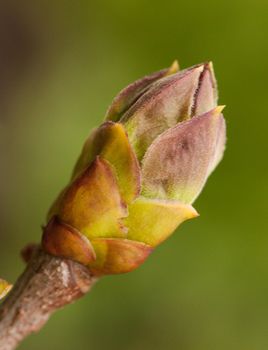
[61, 63]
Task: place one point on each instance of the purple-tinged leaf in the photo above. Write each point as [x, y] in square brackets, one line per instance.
[132, 92]
[220, 145]
[168, 101]
[178, 163]
[206, 95]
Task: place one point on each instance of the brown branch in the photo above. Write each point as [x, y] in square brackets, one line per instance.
[47, 284]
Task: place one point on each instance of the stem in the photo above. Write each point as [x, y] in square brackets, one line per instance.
[47, 284]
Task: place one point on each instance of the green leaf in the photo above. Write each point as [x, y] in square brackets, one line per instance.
[111, 143]
[151, 221]
[92, 203]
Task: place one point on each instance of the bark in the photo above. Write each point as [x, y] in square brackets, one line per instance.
[47, 284]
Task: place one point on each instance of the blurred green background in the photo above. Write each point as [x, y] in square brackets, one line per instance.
[61, 63]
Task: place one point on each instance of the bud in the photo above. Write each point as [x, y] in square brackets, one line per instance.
[168, 101]
[4, 288]
[140, 171]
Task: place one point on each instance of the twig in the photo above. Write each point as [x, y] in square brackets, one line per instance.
[47, 284]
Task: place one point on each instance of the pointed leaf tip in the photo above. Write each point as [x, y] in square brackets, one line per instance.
[174, 68]
[219, 109]
[206, 96]
[5, 287]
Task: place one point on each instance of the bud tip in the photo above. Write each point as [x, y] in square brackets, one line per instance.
[219, 109]
[174, 68]
[5, 287]
[194, 213]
